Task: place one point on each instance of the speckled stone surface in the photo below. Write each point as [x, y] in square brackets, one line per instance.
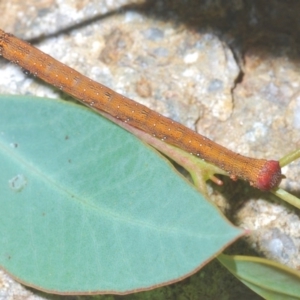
[230, 71]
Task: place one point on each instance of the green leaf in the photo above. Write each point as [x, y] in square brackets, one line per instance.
[269, 279]
[86, 207]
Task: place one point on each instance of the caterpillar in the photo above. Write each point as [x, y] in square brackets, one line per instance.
[261, 173]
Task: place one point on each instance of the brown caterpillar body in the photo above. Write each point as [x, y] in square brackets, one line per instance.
[261, 173]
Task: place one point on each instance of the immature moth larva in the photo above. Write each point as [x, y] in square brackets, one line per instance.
[262, 174]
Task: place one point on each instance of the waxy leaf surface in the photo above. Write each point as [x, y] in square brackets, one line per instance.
[86, 207]
[267, 278]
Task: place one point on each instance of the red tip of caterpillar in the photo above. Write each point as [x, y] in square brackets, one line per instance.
[269, 176]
